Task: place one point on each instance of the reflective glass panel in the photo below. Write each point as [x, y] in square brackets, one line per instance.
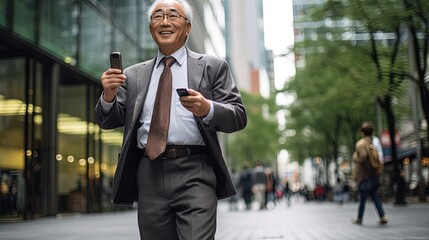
[24, 18]
[58, 29]
[71, 148]
[12, 116]
[3, 12]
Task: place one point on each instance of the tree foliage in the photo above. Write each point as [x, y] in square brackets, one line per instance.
[383, 33]
[334, 93]
[342, 79]
[259, 141]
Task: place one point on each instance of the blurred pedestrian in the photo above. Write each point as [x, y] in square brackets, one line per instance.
[366, 177]
[319, 192]
[287, 193]
[304, 192]
[246, 183]
[270, 183]
[260, 185]
[338, 192]
[279, 194]
[233, 200]
[346, 191]
[172, 165]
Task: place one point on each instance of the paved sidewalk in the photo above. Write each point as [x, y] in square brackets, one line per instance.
[325, 221]
[309, 221]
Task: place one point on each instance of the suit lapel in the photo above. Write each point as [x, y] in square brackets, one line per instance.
[143, 80]
[195, 69]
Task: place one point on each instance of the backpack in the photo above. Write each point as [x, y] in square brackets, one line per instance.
[373, 159]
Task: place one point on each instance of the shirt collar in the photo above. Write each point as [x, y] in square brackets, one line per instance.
[179, 55]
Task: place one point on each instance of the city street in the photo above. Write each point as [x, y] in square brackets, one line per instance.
[303, 221]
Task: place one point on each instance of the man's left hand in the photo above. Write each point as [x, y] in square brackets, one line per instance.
[196, 103]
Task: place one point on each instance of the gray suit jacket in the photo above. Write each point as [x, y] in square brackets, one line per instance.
[208, 75]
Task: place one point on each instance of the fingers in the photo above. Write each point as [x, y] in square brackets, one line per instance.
[112, 78]
[192, 92]
[192, 99]
[196, 103]
[110, 81]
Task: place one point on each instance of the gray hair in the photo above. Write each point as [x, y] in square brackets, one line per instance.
[185, 4]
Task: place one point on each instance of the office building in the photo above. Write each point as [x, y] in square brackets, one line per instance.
[53, 157]
[246, 46]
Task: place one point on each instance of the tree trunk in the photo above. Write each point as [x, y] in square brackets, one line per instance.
[398, 175]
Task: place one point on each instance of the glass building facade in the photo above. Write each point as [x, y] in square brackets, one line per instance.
[53, 157]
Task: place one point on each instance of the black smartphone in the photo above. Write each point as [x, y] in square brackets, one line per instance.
[182, 92]
[116, 60]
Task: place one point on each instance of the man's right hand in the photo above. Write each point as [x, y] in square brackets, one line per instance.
[111, 80]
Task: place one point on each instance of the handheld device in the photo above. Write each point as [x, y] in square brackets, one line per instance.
[116, 60]
[182, 92]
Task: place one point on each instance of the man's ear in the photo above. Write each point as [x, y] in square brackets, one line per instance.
[188, 28]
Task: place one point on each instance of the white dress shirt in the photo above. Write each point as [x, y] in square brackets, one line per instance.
[377, 145]
[183, 129]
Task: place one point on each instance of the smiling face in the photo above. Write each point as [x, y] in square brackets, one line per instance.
[169, 35]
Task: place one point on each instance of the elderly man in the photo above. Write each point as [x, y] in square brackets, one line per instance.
[171, 161]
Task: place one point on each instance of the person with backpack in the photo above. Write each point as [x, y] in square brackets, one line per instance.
[366, 175]
[246, 183]
[260, 184]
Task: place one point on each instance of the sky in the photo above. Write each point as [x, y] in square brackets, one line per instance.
[279, 37]
[278, 28]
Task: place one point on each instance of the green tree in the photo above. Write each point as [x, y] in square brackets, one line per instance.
[334, 93]
[388, 57]
[259, 141]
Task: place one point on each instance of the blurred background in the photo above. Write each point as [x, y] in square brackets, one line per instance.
[310, 71]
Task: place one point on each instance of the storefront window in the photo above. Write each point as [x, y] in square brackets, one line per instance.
[12, 121]
[47, 129]
[71, 148]
[85, 168]
[111, 147]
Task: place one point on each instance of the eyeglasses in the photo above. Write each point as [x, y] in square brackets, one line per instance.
[172, 17]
